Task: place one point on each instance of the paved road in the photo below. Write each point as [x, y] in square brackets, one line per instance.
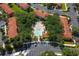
[72, 13]
[35, 51]
[36, 48]
[45, 9]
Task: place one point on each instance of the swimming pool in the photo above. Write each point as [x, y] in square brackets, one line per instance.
[38, 29]
[38, 33]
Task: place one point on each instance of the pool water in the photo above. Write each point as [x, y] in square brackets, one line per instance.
[38, 33]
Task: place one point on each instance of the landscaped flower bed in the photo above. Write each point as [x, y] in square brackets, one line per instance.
[68, 42]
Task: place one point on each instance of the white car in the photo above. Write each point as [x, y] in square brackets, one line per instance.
[16, 54]
[26, 52]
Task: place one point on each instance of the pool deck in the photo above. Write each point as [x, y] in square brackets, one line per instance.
[39, 28]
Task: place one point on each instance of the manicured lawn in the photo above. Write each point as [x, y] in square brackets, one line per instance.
[64, 7]
[16, 8]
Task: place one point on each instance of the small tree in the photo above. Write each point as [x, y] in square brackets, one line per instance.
[9, 48]
[10, 4]
[2, 50]
[29, 9]
[66, 51]
[49, 6]
[75, 30]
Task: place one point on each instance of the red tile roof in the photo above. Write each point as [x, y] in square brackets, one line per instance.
[23, 5]
[40, 13]
[12, 27]
[6, 8]
[67, 31]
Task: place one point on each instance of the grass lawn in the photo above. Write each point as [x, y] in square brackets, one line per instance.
[64, 7]
[17, 9]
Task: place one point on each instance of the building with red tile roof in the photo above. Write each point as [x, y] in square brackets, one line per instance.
[23, 5]
[12, 27]
[40, 13]
[67, 31]
[6, 9]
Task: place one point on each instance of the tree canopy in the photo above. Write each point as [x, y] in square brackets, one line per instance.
[70, 52]
[24, 24]
[54, 28]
